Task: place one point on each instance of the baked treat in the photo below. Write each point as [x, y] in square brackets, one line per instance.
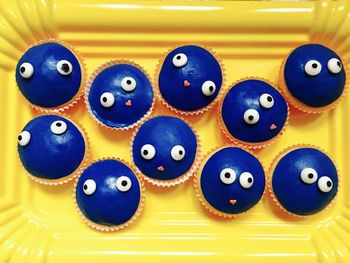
[313, 78]
[165, 151]
[230, 182]
[304, 180]
[253, 113]
[119, 95]
[52, 149]
[108, 195]
[190, 79]
[50, 76]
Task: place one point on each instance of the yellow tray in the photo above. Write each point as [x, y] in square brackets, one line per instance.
[39, 223]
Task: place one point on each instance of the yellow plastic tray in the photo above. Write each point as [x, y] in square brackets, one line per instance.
[39, 223]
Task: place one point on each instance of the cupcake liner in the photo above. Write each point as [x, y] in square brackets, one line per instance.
[201, 110]
[270, 175]
[91, 79]
[179, 180]
[63, 107]
[104, 228]
[250, 145]
[199, 193]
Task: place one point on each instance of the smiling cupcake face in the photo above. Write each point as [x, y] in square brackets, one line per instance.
[253, 111]
[305, 181]
[190, 78]
[232, 180]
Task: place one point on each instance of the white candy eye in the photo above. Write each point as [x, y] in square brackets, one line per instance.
[251, 116]
[24, 138]
[64, 67]
[334, 65]
[26, 70]
[148, 151]
[58, 127]
[208, 88]
[246, 180]
[313, 67]
[89, 187]
[179, 60]
[325, 184]
[178, 152]
[128, 84]
[228, 176]
[308, 175]
[123, 183]
[107, 99]
[266, 101]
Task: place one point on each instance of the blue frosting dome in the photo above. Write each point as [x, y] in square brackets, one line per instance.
[51, 147]
[120, 95]
[190, 78]
[49, 75]
[108, 193]
[304, 181]
[253, 111]
[232, 180]
[314, 75]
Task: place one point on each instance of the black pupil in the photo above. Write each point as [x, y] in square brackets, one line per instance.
[314, 65]
[22, 69]
[227, 175]
[178, 57]
[65, 67]
[180, 152]
[124, 183]
[19, 137]
[128, 82]
[329, 183]
[211, 88]
[145, 152]
[58, 124]
[85, 187]
[338, 63]
[251, 117]
[104, 99]
[269, 98]
[310, 175]
[250, 180]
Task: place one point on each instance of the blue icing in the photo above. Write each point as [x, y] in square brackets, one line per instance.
[218, 194]
[292, 192]
[120, 114]
[200, 67]
[49, 155]
[163, 133]
[47, 87]
[108, 205]
[315, 91]
[245, 95]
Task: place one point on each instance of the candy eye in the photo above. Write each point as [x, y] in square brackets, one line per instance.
[64, 67]
[246, 180]
[228, 176]
[266, 101]
[179, 60]
[107, 100]
[148, 151]
[89, 187]
[178, 152]
[58, 127]
[251, 116]
[123, 183]
[26, 70]
[24, 138]
[128, 84]
[208, 88]
[334, 65]
[313, 67]
[308, 175]
[325, 184]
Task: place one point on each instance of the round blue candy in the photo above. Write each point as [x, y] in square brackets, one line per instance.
[120, 95]
[108, 193]
[51, 147]
[190, 78]
[48, 75]
[232, 180]
[314, 75]
[305, 181]
[253, 111]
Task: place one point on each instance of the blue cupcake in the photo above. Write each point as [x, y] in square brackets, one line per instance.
[50, 76]
[190, 79]
[231, 182]
[304, 180]
[253, 113]
[165, 151]
[52, 149]
[108, 195]
[313, 78]
[120, 95]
